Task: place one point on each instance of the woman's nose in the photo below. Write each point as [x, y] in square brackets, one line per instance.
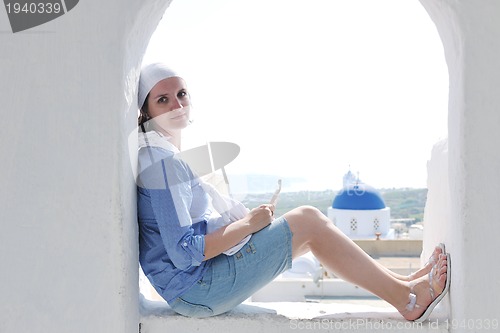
[176, 104]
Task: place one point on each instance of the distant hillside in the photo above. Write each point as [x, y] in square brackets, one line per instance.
[404, 203]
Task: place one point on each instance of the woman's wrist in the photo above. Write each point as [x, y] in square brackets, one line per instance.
[244, 226]
[226, 237]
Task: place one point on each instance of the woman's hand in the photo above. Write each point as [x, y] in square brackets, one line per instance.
[260, 217]
[229, 235]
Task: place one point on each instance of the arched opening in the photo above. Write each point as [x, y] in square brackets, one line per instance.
[317, 87]
[307, 91]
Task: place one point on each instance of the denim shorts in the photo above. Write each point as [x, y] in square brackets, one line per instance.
[232, 279]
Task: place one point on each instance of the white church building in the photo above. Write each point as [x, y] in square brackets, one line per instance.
[360, 212]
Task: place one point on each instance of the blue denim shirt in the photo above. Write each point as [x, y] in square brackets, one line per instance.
[172, 211]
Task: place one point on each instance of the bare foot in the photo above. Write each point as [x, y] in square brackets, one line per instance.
[428, 265]
[426, 289]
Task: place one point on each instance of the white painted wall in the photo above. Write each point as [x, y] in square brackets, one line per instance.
[438, 226]
[464, 182]
[67, 91]
[67, 205]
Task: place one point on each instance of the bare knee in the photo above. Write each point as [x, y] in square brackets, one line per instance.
[309, 213]
[306, 223]
[305, 218]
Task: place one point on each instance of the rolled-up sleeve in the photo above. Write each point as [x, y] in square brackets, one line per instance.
[168, 184]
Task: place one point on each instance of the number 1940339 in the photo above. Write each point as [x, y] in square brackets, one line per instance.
[33, 8]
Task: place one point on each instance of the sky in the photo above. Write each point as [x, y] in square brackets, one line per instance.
[312, 91]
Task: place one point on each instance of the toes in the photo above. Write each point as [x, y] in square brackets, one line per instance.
[438, 251]
[442, 261]
[430, 264]
[439, 277]
[434, 258]
[442, 273]
[443, 265]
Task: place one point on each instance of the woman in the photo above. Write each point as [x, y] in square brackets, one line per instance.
[186, 264]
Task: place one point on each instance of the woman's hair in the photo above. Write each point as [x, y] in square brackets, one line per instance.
[143, 113]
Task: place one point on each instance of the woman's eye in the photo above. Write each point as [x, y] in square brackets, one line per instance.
[182, 93]
[162, 100]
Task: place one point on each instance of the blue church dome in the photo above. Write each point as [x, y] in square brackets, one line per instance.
[358, 197]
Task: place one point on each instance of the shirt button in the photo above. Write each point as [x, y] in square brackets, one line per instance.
[184, 244]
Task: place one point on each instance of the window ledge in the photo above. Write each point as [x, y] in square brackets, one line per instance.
[253, 317]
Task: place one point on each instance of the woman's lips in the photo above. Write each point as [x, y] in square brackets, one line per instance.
[178, 116]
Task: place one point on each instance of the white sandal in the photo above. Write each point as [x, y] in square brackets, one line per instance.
[413, 297]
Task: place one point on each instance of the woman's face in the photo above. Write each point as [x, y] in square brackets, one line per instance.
[169, 104]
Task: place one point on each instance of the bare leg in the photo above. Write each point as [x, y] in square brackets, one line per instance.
[313, 231]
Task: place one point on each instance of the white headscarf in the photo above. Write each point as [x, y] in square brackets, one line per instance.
[150, 75]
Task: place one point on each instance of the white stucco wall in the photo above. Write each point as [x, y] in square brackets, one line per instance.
[67, 204]
[464, 181]
[68, 242]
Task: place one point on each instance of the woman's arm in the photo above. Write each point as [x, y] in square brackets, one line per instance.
[226, 237]
[166, 194]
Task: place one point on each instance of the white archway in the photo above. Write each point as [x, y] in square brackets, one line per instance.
[67, 200]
